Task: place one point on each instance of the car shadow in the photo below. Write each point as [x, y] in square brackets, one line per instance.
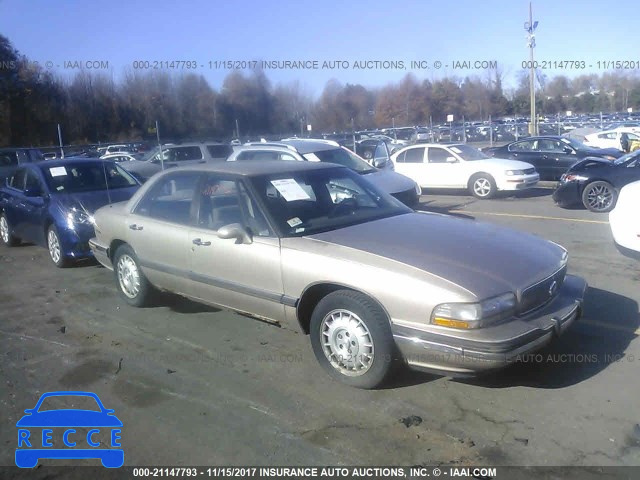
[593, 343]
[180, 304]
[529, 193]
[430, 206]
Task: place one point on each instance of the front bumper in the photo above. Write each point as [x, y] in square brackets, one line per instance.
[468, 352]
[567, 194]
[520, 182]
[74, 242]
[101, 253]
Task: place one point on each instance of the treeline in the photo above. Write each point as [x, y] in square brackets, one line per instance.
[94, 107]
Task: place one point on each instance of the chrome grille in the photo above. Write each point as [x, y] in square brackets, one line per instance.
[539, 294]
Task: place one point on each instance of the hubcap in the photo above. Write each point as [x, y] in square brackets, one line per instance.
[600, 197]
[4, 230]
[54, 246]
[482, 187]
[346, 342]
[128, 276]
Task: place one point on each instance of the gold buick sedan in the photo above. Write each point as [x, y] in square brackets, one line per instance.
[317, 247]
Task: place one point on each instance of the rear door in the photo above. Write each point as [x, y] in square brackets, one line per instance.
[526, 151]
[34, 208]
[411, 163]
[159, 230]
[556, 158]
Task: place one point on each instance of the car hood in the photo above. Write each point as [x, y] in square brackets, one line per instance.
[69, 418]
[91, 201]
[599, 152]
[483, 258]
[389, 181]
[500, 164]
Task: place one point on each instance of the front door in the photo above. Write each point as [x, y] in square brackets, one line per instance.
[242, 275]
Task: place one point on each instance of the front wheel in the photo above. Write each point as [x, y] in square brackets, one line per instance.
[482, 186]
[352, 339]
[599, 197]
[132, 284]
[55, 248]
[5, 233]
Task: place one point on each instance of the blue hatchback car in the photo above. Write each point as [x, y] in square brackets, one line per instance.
[59, 438]
[51, 203]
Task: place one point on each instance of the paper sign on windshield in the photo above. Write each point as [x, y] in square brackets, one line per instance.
[290, 189]
[57, 171]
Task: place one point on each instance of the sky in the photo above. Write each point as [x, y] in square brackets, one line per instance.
[209, 33]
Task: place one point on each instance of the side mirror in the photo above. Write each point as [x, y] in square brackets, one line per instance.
[33, 192]
[380, 162]
[568, 150]
[452, 160]
[235, 230]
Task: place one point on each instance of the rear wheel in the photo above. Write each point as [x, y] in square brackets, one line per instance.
[132, 284]
[5, 233]
[599, 197]
[482, 186]
[351, 339]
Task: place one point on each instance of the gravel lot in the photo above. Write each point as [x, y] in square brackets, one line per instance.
[197, 386]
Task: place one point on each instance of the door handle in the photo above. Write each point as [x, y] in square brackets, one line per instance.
[200, 243]
[135, 227]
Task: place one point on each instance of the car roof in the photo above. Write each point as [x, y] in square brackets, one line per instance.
[60, 162]
[258, 168]
[310, 145]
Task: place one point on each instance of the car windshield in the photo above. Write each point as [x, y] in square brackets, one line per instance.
[314, 201]
[341, 156]
[625, 158]
[468, 153]
[86, 177]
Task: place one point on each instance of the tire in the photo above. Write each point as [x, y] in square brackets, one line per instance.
[599, 197]
[131, 282]
[5, 233]
[55, 249]
[482, 186]
[351, 322]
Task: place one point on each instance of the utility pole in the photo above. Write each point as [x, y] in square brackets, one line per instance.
[530, 27]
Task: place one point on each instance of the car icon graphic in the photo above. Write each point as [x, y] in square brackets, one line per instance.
[35, 445]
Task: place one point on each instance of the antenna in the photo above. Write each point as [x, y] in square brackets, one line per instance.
[106, 181]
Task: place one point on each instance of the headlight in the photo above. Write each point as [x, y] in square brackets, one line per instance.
[79, 217]
[572, 177]
[511, 173]
[474, 315]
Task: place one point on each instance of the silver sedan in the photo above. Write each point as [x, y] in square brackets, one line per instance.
[317, 247]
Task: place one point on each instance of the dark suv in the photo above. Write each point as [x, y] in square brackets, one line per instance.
[11, 158]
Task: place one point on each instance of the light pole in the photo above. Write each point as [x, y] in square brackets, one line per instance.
[530, 27]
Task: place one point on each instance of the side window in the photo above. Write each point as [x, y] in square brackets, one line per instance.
[17, 181]
[259, 155]
[400, 158]
[23, 157]
[255, 220]
[219, 203]
[183, 154]
[521, 147]
[414, 155]
[220, 151]
[8, 159]
[438, 155]
[170, 199]
[32, 181]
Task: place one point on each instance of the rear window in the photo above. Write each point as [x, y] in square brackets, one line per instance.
[182, 154]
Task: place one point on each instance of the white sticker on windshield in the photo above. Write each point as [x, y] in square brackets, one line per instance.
[57, 171]
[290, 189]
[294, 222]
[456, 149]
